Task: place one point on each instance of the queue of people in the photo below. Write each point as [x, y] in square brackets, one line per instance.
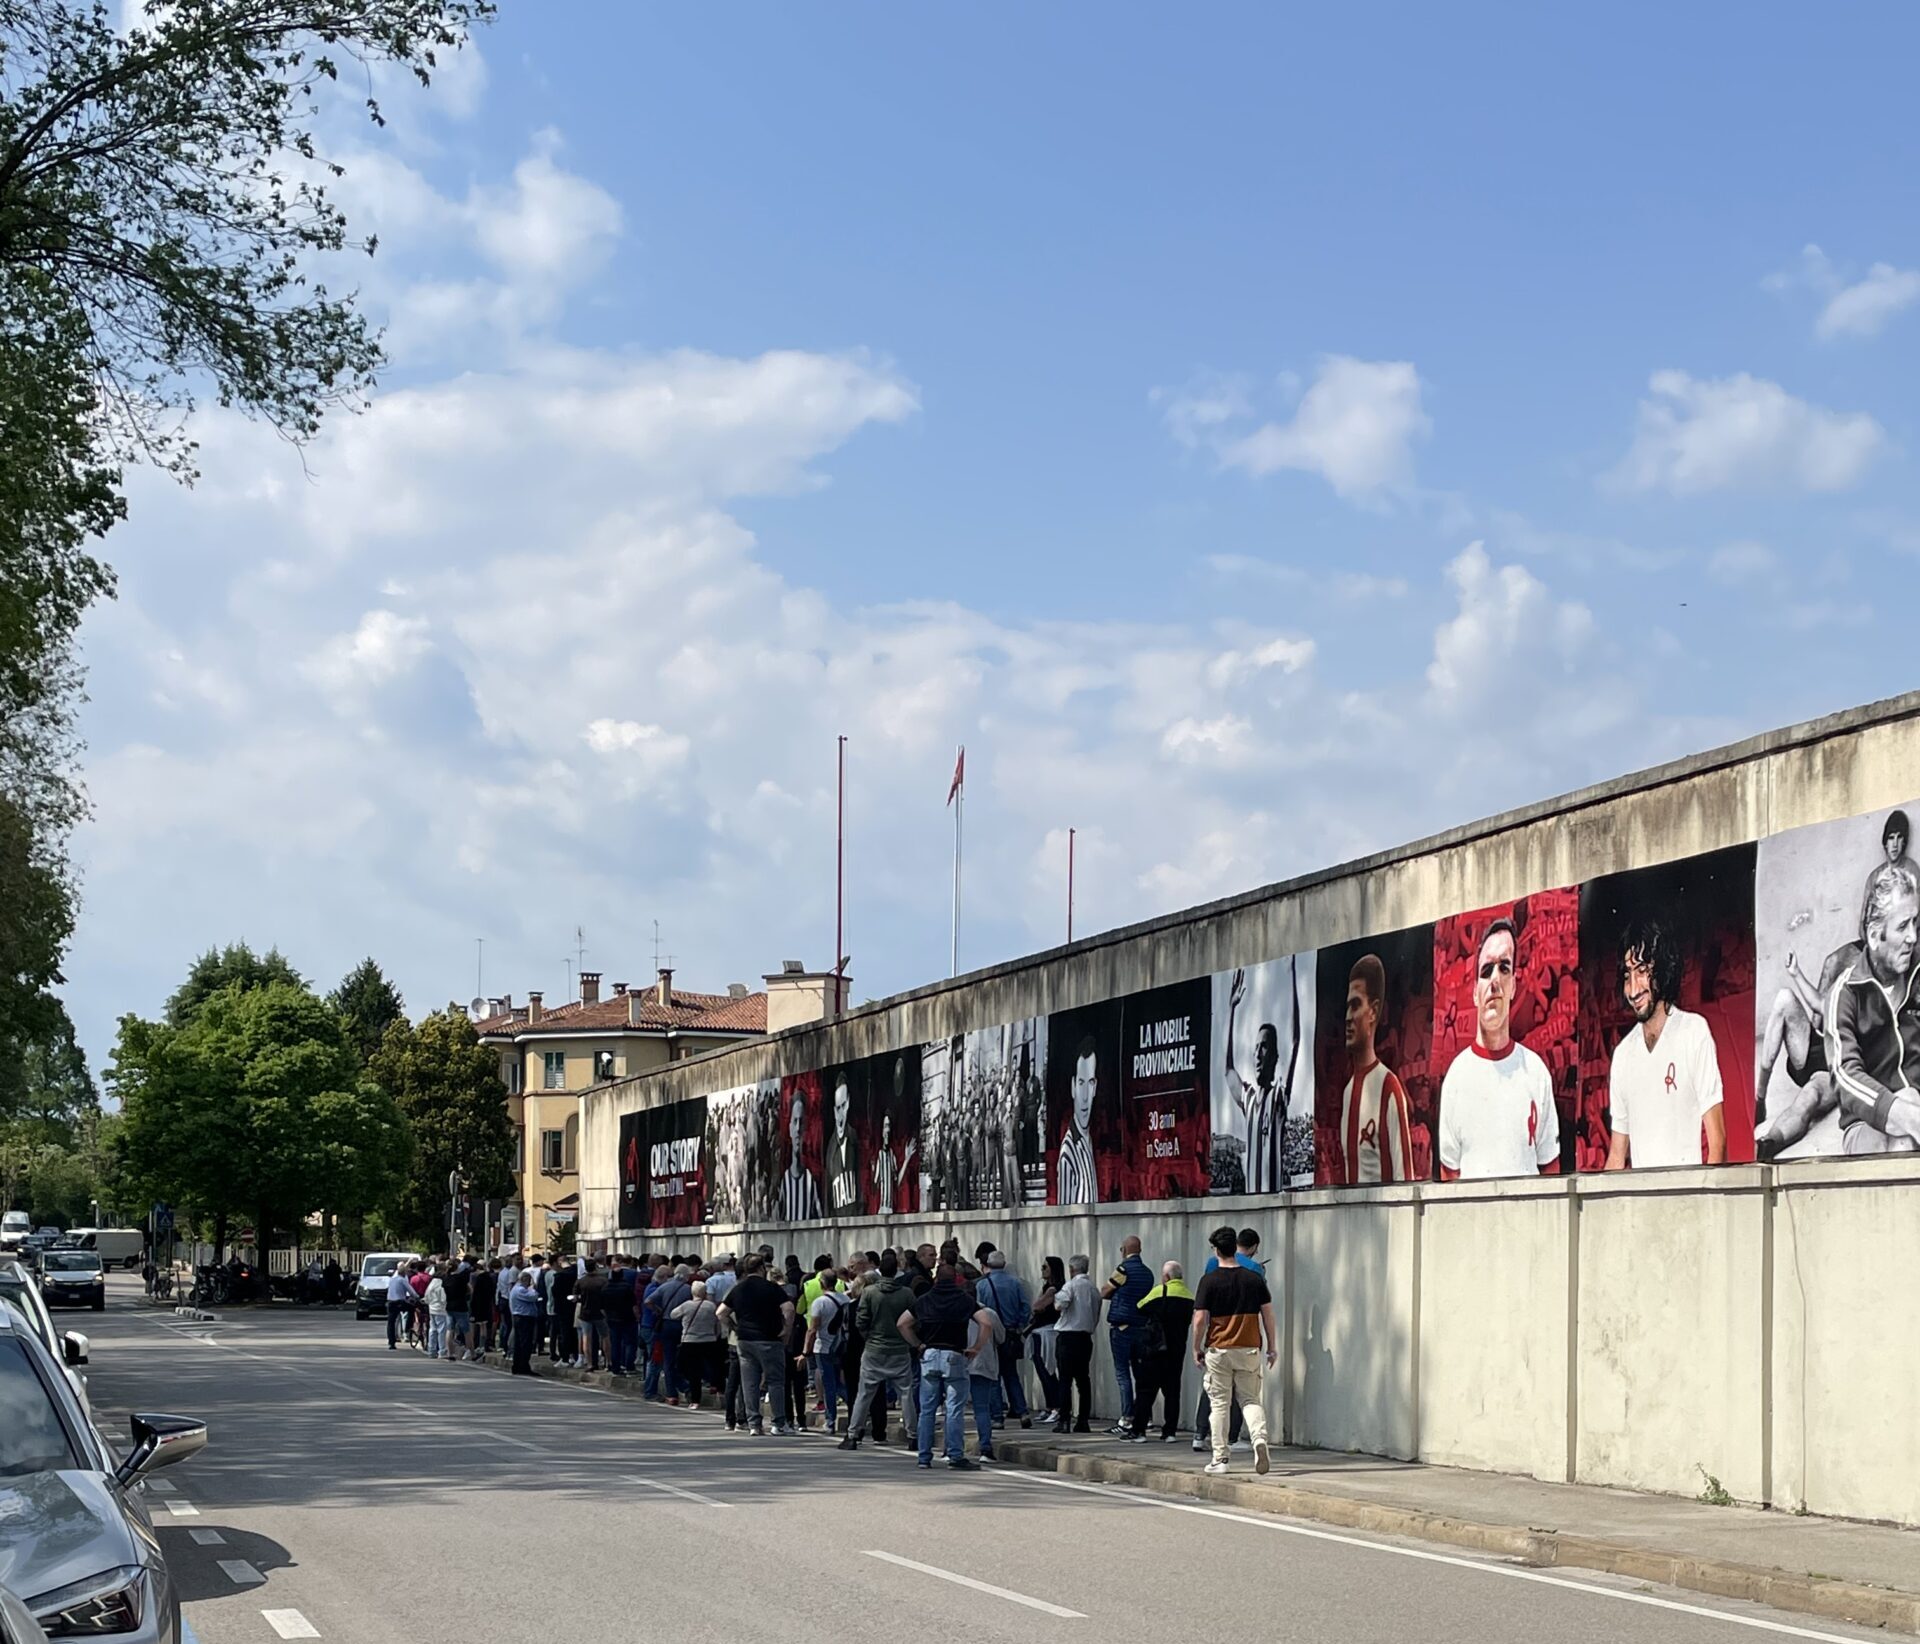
[925, 1333]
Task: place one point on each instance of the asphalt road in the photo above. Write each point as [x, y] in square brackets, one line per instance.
[355, 1494]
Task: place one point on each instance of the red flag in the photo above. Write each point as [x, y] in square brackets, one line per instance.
[959, 774]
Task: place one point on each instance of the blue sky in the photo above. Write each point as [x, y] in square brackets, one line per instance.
[1259, 436]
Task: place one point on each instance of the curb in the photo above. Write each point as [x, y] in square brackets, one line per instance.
[197, 1314]
[1540, 1549]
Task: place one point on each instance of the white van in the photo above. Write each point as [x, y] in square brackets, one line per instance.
[118, 1246]
[15, 1225]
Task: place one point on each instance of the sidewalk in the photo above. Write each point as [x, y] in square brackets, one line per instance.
[1864, 1573]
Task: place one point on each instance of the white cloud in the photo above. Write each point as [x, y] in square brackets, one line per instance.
[1506, 616]
[1356, 427]
[1851, 308]
[380, 649]
[1742, 432]
[550, 226]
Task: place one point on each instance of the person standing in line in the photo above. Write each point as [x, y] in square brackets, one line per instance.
[826, 1343]
[1160, 1349]
[435, 1297]
[721, 1280]
[1043, 1336]
[673, 1294]
[590, 1316]
[699, 1322]
[458, 1286]
[566, 1341]
[653, 1274]
[619, 1304]
[1007, 1296]
[399, 1304]
[1078, 1305]
[523, 1306]
[760, 1315]
[1128, 1282]
[986, 1334]
[1232, 1310]
[887, 1361]
[543, 1288]
[938, 1325]
[1247, 1253]
[484, 1281]
[417, 1326]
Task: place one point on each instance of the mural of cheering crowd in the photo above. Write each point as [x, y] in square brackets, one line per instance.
[1755, 1002]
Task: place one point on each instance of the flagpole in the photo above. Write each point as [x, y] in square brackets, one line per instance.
[959, 804]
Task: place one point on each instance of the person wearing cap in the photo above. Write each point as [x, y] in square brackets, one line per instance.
[1002, 1294]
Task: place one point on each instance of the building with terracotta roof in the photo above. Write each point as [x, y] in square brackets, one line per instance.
[549, 1056]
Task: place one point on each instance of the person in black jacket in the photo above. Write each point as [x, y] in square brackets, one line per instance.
[1165, 1319]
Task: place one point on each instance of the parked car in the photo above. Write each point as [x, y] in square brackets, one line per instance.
[73, 1278]
[80, 1551]
[69, 1348]
[15, 1225]
[370, 1290]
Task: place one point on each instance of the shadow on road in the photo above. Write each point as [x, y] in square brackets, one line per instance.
[196, 1570]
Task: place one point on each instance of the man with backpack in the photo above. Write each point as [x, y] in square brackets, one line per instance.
[1004, 1294]
[1165, 1320]
[826, 1344]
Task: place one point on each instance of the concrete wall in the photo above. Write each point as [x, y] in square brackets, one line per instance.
[1759, 1324]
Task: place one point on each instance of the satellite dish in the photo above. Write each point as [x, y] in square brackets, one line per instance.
[478, 1007]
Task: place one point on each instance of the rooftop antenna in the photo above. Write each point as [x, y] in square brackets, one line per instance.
[480, 965]
[566, 959]
[580, 948]
[656, 946]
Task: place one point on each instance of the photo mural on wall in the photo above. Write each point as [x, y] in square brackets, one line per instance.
[1757, 1001]
[662, 1158]
[1666, 1014]
[1374, 1120]
[1837, 1034]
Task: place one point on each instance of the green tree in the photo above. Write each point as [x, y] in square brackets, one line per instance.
[447, 1084]
[256, 1105]
[164, 208]
[234, 966]
[367, 1004]
[45, 1084]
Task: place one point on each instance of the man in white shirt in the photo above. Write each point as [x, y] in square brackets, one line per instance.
[1497, 1116]
[1077, 1178]
[1664, 1089]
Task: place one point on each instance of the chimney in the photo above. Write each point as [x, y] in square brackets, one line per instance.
[533, 1009]
[589, 987]
[663, 989]
[636, 1006]
[737, 990]
[619, 990]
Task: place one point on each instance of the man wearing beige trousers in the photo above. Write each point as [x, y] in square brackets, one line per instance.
[1232, 1315]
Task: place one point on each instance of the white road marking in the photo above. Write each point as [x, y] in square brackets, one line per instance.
[978, 1586]
[182, 1509]
[675, 1490]
[207, 1538]
[1511, 1572]
[290, 1624]
[241, 1573]
[161, 1486]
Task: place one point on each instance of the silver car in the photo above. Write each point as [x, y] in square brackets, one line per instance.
[19, 1291]
[76, 1543]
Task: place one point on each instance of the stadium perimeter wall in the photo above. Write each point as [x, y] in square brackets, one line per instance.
[1759, 1323]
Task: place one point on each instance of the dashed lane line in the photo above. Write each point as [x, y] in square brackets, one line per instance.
[207, 1538]
[241, 1573]
[290, 1624]
[959, 1580]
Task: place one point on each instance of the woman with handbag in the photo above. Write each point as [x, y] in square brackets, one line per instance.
[1043, 1336]
[699, 1321]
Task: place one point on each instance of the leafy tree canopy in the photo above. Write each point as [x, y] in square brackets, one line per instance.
[234, 966]
[447, 1084]
[368, 1004]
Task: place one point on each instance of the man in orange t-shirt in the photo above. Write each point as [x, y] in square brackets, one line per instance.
[1232, 1311]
